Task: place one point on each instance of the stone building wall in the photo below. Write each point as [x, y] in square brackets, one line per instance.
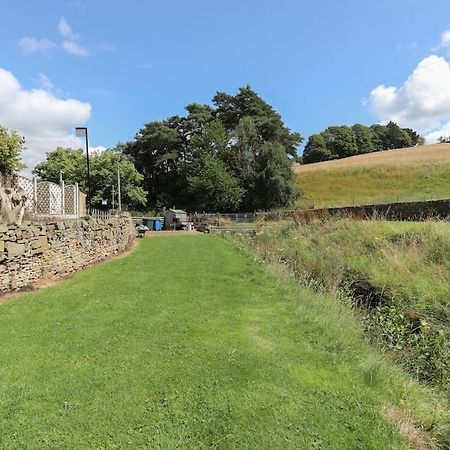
[47, 251]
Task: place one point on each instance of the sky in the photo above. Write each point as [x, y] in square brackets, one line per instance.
[113, 66]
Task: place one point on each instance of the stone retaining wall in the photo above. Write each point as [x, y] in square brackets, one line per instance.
[47, 251]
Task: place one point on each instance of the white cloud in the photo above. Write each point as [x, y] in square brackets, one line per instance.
[422, 102]
[70, 44]
[44, 82]
[65, 30]
[33, 45]
[45, 120]
[445, 39]
[74, 48]
[444, 131]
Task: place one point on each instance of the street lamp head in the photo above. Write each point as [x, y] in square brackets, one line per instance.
[80, 131]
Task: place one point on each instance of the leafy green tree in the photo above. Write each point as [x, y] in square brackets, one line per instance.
[169, 153]
[157, 151]
[396, 137]
[104, 175]
[275, 178]
[363, 138]
[213, 187]
[316, 150]
[378, 136]
[416, 138]
[268, 123]
[103, 172]
[340, 141]
[11, 147]
[70, 161]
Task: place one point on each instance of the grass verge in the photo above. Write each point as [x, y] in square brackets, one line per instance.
[397, 271]
[190, 343]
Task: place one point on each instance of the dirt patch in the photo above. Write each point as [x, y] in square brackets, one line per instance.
[418, 438]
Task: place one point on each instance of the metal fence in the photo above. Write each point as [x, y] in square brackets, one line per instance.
[224, 218]
[44, 198]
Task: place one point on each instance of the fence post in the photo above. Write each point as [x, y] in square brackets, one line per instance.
[76, 201]
[35, 194]
[62, 197]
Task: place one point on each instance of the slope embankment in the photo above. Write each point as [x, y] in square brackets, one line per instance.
[404, 175]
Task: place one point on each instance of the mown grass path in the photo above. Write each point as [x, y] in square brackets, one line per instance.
[185, 343]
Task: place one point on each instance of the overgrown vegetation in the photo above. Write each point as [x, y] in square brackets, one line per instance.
[396, 272]
[343, 141]
[150, 351]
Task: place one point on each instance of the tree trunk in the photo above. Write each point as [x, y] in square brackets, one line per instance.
[12, 203]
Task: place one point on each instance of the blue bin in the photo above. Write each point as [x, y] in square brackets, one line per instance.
[157, 224]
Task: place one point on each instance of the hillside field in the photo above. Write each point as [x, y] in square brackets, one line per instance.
[419, 173]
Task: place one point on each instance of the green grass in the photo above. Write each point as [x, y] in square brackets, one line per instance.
[407, 263]
[190, 343]
[372, 185]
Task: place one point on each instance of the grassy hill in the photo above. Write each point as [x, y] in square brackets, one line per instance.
[409, 174]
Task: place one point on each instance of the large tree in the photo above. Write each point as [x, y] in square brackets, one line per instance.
[340, 141]
[316, 150]
[274, 184]
[363, 138]
[213, 187]
[171, 153]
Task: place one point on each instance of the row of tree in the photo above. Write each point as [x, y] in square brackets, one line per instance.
[234, 155]
[343, 141]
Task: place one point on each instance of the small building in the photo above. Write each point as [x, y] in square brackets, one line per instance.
[175, 219]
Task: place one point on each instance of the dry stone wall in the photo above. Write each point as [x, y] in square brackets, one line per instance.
[32, 252]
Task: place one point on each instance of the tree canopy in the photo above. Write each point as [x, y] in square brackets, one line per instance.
[342, 141]
[215, 157]
[103, 171]
[11, 148]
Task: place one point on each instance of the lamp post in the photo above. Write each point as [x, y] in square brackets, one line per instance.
[119, 192]
[83, 132]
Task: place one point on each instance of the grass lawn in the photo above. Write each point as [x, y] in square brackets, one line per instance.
[190, 343]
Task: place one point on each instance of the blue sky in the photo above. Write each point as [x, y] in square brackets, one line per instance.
[127, 63]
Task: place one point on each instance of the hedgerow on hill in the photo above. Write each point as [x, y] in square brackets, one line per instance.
[343, 141]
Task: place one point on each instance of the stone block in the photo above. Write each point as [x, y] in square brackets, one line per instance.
[14, 249]
[40, 243]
